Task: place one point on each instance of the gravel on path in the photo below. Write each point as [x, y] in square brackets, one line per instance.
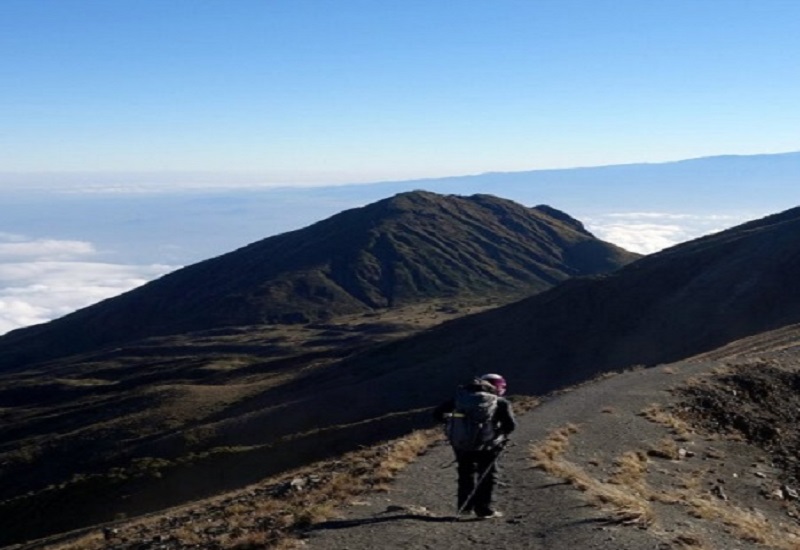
[539, 510]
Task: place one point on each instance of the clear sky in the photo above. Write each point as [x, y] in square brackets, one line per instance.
[299, 91]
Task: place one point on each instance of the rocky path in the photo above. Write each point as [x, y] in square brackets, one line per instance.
[541, 511]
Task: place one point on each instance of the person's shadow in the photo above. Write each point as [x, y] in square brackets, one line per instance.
[347, 523]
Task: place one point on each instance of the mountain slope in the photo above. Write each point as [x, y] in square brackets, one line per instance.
[268, 416]
[407, 248]
[681, 302]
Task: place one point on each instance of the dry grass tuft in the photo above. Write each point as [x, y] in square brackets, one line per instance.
[90, 541]
[748, 525]
[627, 498]
[630, 470]
[620, 498]
[551, 449]
[524, 403]
[691, 541]
[656, 413]
[715, 454]
[667, 448]
[691, 483]
[721, 370]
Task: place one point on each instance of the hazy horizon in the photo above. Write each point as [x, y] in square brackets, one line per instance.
[66, 247]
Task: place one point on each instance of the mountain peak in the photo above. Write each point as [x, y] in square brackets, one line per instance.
[562, 217]
[411, 247]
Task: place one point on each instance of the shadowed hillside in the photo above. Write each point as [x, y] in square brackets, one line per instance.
[405, 249]
[681, 302]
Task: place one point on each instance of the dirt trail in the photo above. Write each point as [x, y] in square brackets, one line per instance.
[541, 511]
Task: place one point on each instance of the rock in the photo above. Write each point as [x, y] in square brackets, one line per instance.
[790, 493]
[685, 453]
[395, 508]
[409, 509]
[717, 491]
[295, 485]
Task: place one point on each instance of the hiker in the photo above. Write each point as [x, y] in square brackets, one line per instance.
[478, 421]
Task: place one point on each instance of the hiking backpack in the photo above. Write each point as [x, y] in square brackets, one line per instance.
[469, 427]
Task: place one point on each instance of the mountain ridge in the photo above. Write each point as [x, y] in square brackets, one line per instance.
[403, 249]
[659, 309]
[695, 289]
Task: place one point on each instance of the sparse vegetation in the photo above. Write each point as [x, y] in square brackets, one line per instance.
[655, 413]
[630, 491]
[619, 497]
[666, 448]
[691, 541]
[626, 496]
[748, 525]
[630, 470]
[268, 515]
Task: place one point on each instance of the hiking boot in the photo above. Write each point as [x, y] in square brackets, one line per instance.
[489, 514]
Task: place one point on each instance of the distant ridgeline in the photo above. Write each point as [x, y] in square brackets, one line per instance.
[412, 247]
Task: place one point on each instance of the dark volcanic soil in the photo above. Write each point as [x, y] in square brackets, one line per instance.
[759, 402]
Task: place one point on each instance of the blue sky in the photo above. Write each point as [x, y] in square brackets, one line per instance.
[137, 136]
[298, 91]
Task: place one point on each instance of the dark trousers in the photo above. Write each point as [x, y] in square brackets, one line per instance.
[472, 465]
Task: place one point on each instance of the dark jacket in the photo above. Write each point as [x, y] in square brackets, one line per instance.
[504, 421]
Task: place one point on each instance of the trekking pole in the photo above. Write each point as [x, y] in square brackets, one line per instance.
[480, 480]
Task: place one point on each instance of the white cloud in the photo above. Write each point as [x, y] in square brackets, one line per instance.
[640, 237]
[51, 249]
[43, 279]
[19, 313]
[672, 216]
[649, 232]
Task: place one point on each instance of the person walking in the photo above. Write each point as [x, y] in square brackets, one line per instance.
[478, 421]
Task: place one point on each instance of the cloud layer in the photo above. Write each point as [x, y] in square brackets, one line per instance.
[42, 279]
[649, 232]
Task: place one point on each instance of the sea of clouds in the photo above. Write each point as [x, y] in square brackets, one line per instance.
[650, 232]
[42, 279]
